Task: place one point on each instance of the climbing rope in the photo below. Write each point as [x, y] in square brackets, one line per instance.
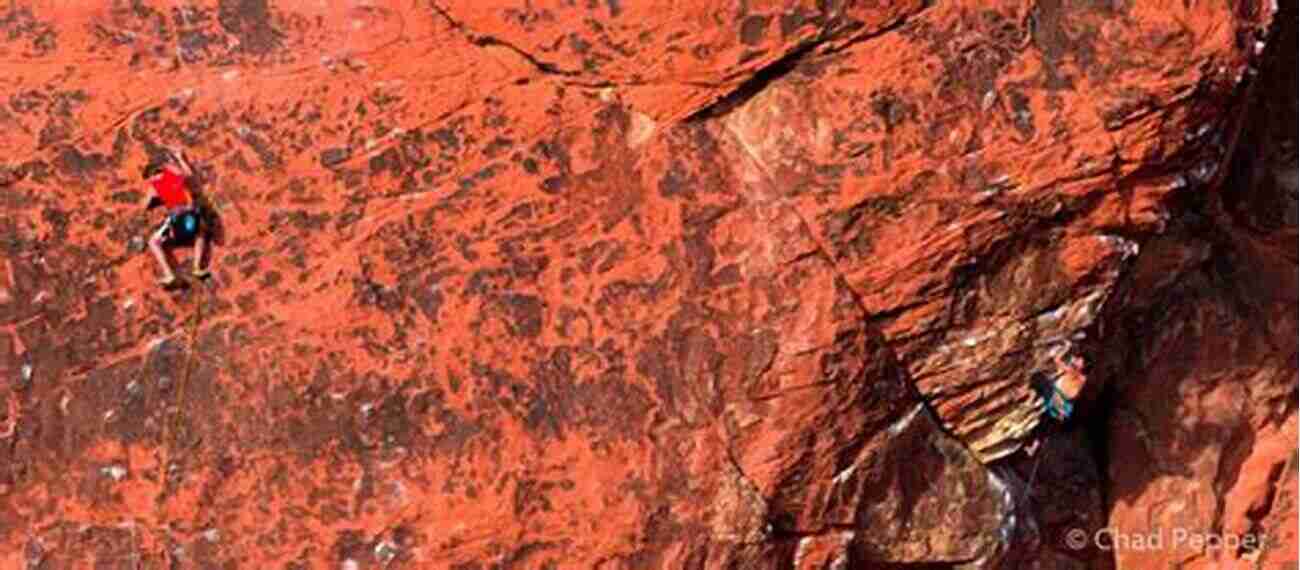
[172, 426]
[1033, 473]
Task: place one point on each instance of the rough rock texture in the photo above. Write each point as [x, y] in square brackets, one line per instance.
[617, 285]
[1202, 425]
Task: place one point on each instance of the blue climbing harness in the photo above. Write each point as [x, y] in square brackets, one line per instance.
[1049, 393]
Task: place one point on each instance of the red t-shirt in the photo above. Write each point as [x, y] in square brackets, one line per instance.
[171, 189]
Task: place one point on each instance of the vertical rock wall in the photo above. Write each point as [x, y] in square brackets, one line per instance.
[623, 285]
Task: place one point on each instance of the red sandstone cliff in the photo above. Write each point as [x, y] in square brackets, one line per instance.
[629, 285]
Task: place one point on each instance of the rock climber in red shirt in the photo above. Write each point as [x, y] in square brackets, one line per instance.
[168, 184]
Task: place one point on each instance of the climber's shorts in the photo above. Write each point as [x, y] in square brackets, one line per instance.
[181, 227]
[1055, 403]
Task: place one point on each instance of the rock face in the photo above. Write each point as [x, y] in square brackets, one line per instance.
[624, 285]
[1202, 425]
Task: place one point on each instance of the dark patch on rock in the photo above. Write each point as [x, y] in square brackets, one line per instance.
[456, 430]
[610, 251]
[429, 300]
[526, 313]
[64, 102]
[469, 182]
[270, 279]
[250, 21]
[73, 162]
[27, 101]
[193, 43]
[1021, 115]
[19, 22]
[753, 28]
[659, 531]
[791, 22]
[121, 143]
[727, 276]
[973, 59]
[700, 257]
[263, 149]
[531, 497]
[388, 161]
[331, 157]
[523, 266]
[851, 230]
[579, 45]
[891, 109]
[520, 213]
[1058, 36]
[555, 152]
[615, 7]
[675, 182]
[525, 556]
[681, 362]
[447, 139]
[11, 175]
[1133, 104]
[396, 418]
[247, 302]
[554, 184]
[498, 146]
[301, 219]
[54, 131]
[608, 404]
[750, 55]
[58, 220]
[314, 419]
